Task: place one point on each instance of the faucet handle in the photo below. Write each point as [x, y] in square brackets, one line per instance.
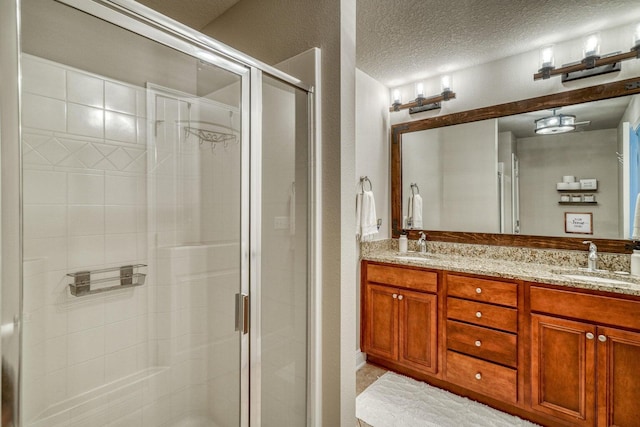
[592, 246]
[423, 236]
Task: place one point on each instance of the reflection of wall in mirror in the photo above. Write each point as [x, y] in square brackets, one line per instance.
[544, 160]
[456, 169]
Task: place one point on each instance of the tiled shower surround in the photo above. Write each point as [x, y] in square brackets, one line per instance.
[98, 193]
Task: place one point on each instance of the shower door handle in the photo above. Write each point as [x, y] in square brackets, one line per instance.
[242, 313]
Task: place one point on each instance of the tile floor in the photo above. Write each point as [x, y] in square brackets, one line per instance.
[364, 378]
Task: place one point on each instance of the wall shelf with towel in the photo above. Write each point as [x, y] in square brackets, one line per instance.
[128, 278]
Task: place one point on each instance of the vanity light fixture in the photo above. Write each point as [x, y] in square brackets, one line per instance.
[422, 103]
[592, 63]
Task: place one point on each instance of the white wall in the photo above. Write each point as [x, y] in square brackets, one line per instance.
[543, 163]
[372, 145]
[464, 196]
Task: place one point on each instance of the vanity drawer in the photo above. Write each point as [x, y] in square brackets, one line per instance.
[485, 290]
[496, 346]
[479, 313]
[484, 377]
[600, 309]
[404, 277]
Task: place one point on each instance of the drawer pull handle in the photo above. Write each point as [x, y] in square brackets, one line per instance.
[589, 336]
[478, 376]
[478, 343]
[400, 297]
[478, 290]
[478, 314]
[602, 338]
[395, 296]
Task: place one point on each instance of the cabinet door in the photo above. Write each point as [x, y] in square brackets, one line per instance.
[418, 330]
[381, 321]
[563, 369]
[618, 377]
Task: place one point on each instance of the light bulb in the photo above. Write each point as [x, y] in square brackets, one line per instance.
[592, 45]
[419, 90]
[546, 57]
[396, 97]
[445, 83]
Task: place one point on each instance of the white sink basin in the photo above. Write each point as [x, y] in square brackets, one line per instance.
[596, 279]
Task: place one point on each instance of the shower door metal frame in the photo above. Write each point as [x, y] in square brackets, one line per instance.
[148, 23]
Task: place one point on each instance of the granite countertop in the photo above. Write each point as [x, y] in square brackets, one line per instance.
[540, 273]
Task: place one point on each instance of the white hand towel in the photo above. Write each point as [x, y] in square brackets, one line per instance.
[417, 211]
[410, 212]
[368, 220]
[358, 215]
[635, 235]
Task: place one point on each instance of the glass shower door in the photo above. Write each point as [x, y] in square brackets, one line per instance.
[134, 162]
[282, 294]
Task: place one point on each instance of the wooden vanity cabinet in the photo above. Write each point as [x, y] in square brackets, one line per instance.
[585, 362]
[555, 355]
[400, 324]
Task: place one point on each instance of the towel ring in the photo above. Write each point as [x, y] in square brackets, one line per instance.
[364, 179]
[413, 184]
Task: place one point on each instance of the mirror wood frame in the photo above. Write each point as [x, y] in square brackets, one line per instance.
[547, 102]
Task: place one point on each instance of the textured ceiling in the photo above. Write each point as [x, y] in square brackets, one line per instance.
[194, 13]
[402, 41]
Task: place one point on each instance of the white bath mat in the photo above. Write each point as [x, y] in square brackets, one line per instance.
[397, 401]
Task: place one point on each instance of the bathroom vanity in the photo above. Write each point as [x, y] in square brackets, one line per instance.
[550, 347]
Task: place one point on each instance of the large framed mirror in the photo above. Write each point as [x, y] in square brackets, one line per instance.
[485, 176]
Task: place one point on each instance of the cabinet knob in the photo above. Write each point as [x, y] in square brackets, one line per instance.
[478, 343]
[602, 338]
[400, 297]
[478, 314]
[478, 290]
[589, 336]
[395, 296]
[478, 376]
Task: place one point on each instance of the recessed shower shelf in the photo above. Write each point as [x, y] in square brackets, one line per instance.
[83, 280]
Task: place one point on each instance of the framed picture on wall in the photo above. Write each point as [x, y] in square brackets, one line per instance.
[578, 222]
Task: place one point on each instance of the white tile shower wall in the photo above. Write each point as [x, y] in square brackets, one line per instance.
[94, 197]
[84, 208]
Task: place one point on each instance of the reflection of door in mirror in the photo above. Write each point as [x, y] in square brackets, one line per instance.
[631, 163]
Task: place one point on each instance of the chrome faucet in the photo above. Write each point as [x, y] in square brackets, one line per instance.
[592, 260]
[422, 243]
